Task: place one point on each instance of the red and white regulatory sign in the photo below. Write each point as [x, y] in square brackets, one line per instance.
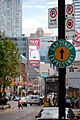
[53, 17]
[53, 13]
[69, 9]
[69, 23]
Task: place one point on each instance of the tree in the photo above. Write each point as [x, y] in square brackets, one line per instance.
[9, 59]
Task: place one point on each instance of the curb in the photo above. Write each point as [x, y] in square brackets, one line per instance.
[2, 107]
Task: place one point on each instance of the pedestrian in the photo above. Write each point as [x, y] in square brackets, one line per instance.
[71, 114]
[55, 102]
[49, 101]
[67, 102]
[73, 101]
[53, 99]
[41, 101]
[20, 104]
[77, 103]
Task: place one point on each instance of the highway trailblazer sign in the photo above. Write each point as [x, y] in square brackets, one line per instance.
[61, 53]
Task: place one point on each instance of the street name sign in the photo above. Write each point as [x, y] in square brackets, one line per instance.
[52, 17]
[61, 53]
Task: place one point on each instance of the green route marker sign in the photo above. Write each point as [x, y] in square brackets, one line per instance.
[61, 53]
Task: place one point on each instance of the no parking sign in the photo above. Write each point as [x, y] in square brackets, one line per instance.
[69, 11]
[69, 22]
[53, 17]
[53, 13]
[69, 29]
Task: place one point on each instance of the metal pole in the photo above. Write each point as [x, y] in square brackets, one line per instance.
[14, 85]
[45, 90]
[62, 71]
[79, 98]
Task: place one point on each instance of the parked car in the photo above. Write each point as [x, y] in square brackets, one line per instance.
[34, 99]
[16, 99]
[50, 113]
[24, 102]
[27, 99]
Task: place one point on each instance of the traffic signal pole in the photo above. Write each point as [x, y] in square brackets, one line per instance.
[62, 71]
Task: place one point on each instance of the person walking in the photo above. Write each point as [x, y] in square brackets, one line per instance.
[71, 115]
[73, 101]
[20, 104]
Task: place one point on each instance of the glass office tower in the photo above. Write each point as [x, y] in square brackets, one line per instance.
[76, 41]
[11, 17]
[77, 14]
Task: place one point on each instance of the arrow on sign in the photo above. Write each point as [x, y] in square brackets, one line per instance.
[61, 51]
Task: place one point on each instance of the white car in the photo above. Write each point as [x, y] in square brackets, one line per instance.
[50, 113]
[34, 99]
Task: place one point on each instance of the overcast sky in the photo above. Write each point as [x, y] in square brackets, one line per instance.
[35, 13]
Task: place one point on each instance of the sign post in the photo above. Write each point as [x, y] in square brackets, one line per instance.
[62, 71]
[62, 53]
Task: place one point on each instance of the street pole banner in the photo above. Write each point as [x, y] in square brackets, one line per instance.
[34, 52]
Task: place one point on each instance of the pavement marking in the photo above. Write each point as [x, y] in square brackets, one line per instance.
[20, 116]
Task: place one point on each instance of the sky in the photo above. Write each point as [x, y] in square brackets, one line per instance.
[35, 13]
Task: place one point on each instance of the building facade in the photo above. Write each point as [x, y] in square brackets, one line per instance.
[77, 13]
[76, 41]
[11, 17]
[21, 43]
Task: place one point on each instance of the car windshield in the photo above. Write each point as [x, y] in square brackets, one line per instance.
[52, 113]
[34, 97]
[47, 113]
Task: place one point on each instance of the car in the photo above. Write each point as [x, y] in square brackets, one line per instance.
[50, 113]
[27, 99]
[34, 99]
[24, 102]
[16, 99]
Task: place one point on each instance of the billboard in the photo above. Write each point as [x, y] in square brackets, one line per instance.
[34, 52]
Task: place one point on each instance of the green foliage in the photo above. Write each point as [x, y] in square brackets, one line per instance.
[9, 59]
